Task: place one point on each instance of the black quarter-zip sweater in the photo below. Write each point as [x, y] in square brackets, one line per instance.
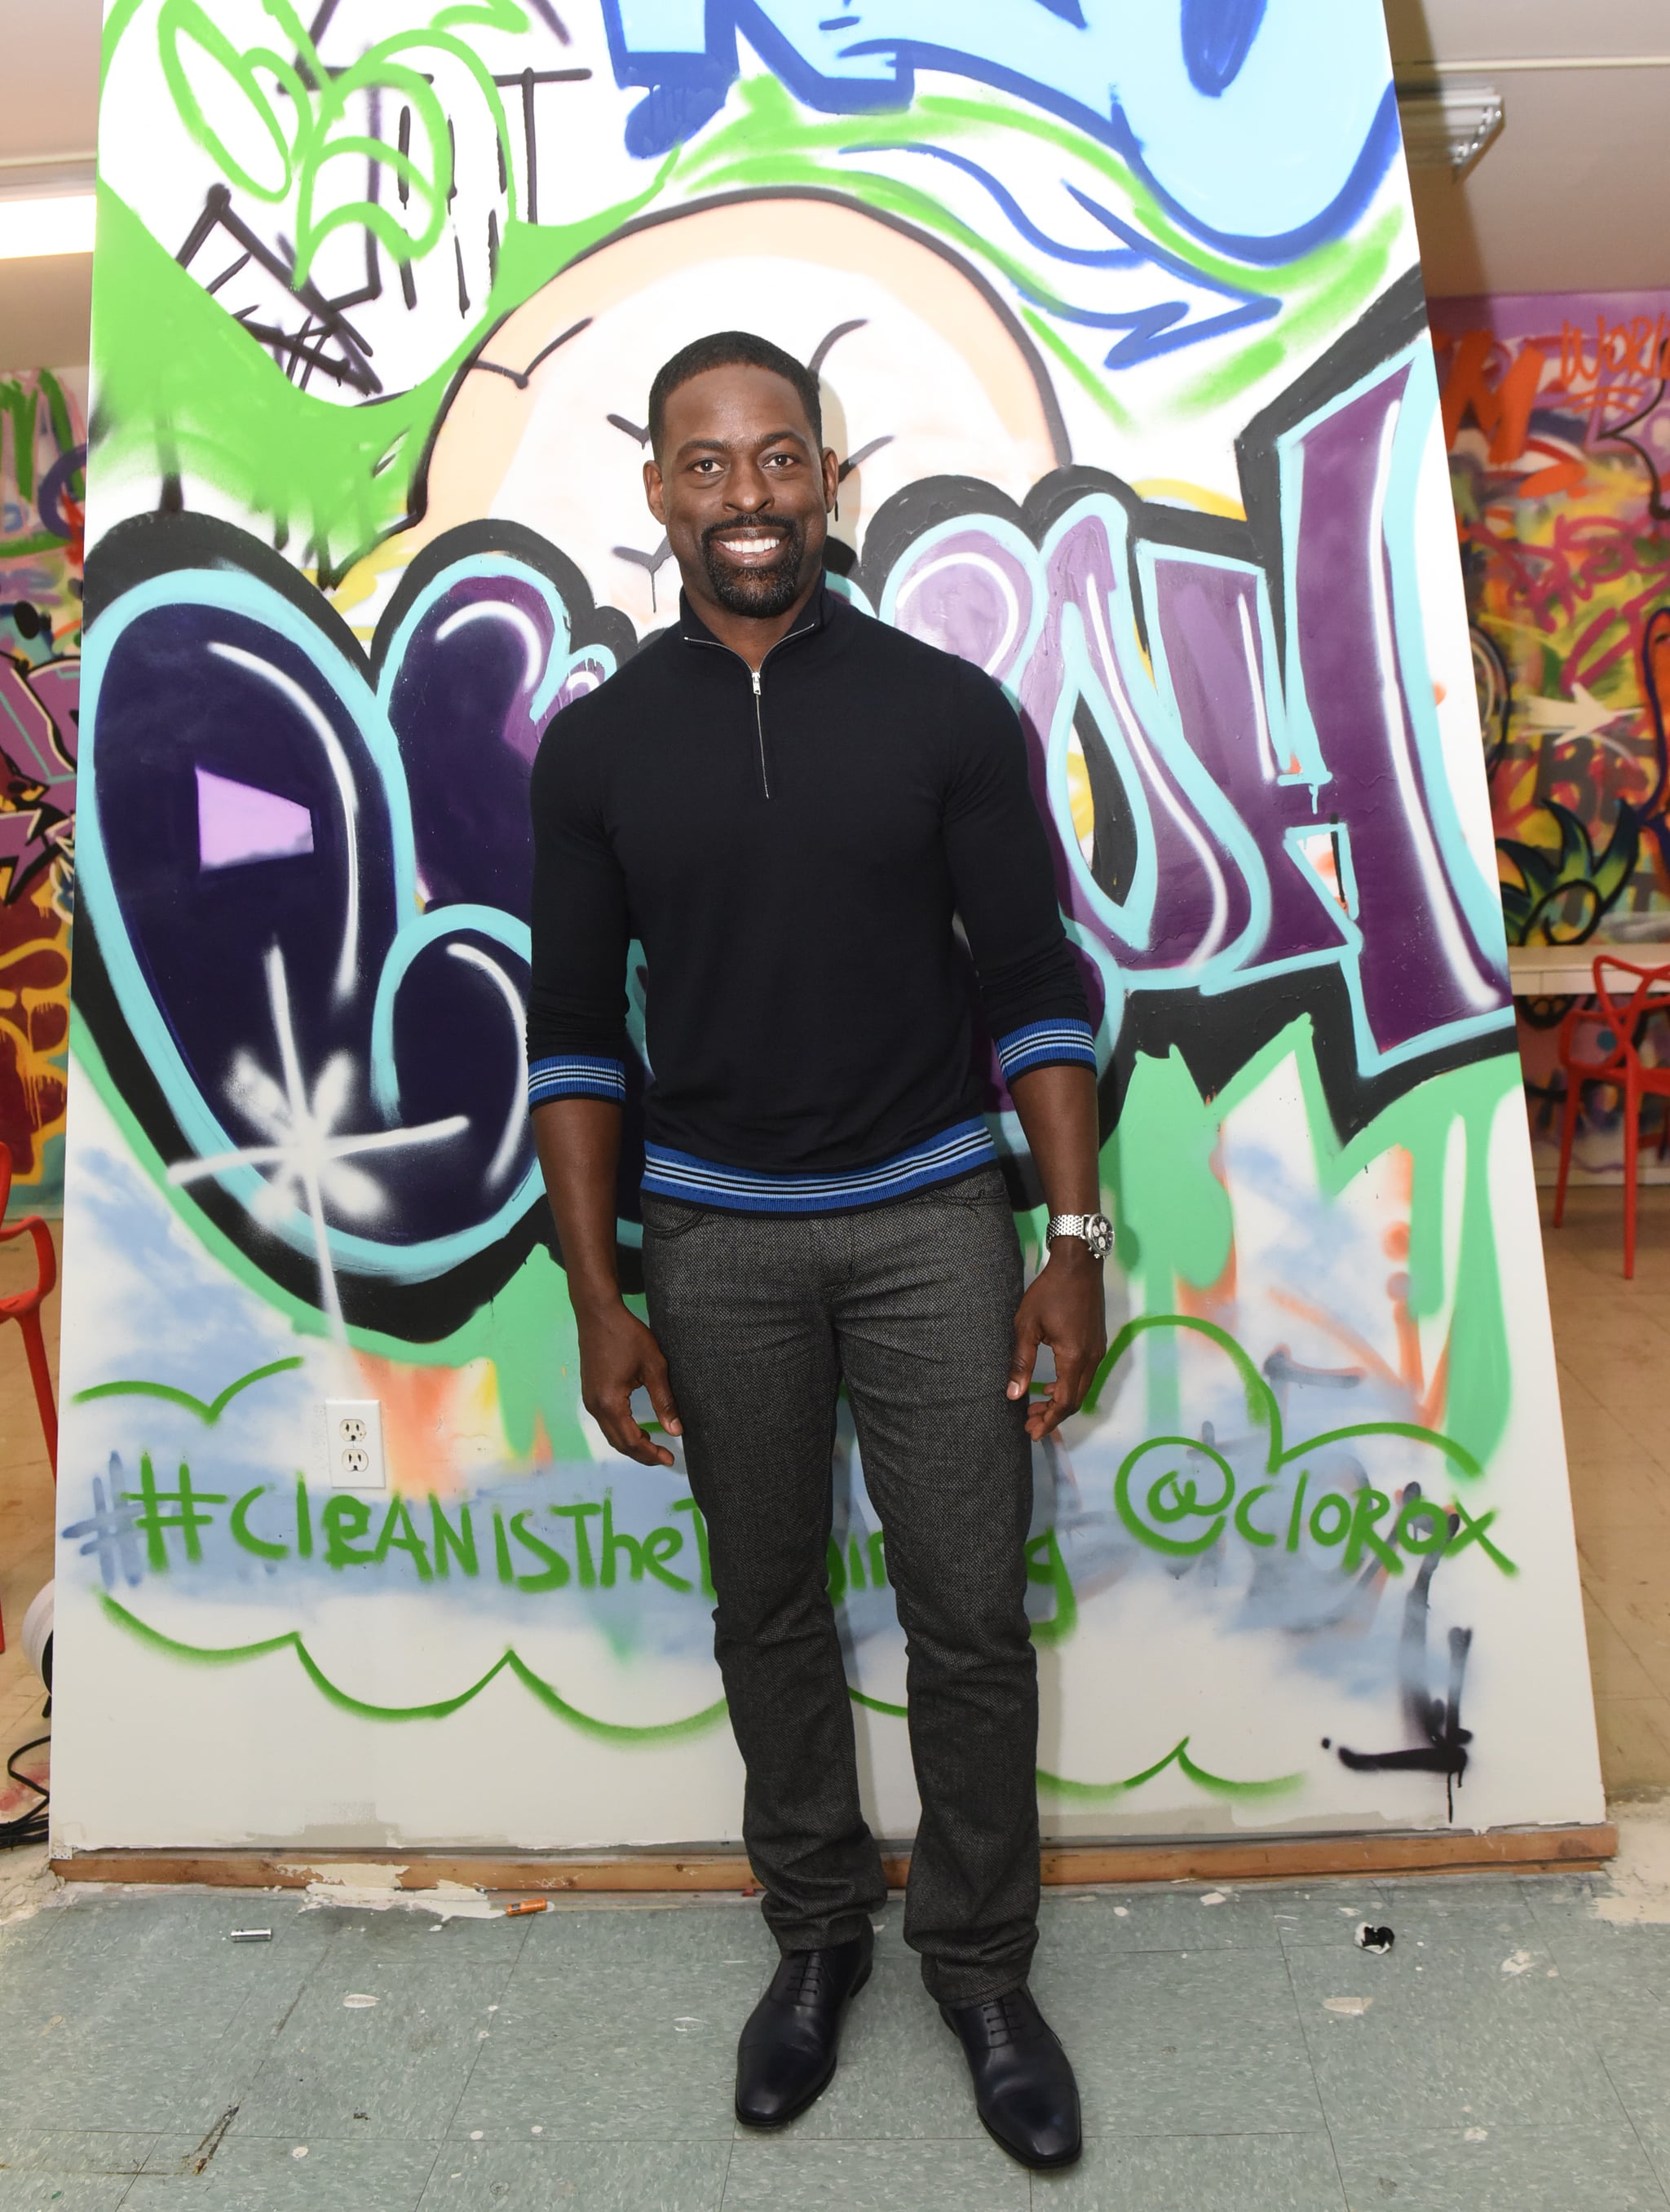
[790, 849]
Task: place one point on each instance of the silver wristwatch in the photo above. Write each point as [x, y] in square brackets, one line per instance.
[1094, 1230]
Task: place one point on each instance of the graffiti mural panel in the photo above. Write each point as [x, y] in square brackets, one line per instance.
[43, 452]
[1136, 416]
[1558, 430]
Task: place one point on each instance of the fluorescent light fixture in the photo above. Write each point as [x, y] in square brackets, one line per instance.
[54, 223]
[1447, 124]
[46, 206]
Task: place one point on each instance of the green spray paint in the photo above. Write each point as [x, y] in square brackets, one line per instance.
[610, 1732]
[183, 388]
[305, 129]
[1263, 1406]
[17, 406]
[208, 1413]
[1175, 1219]
[1217, 1785]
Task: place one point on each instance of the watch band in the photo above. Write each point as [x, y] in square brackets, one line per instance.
[1094, 1231]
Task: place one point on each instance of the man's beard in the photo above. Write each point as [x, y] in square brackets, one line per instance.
[762, 592]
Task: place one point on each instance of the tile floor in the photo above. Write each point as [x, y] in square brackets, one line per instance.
[1513, 2050]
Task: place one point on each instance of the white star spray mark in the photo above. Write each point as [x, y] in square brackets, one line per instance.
[309, 1160]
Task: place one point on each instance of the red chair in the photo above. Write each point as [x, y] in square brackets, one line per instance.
[24, 1308]
[1619, 1042]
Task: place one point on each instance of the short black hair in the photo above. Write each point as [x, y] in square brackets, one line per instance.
[732, 349]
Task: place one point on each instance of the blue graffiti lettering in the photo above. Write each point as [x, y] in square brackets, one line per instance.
[1218, 36]
[1264, 126]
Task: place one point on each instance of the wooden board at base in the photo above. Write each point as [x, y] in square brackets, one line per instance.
[1528, 1850]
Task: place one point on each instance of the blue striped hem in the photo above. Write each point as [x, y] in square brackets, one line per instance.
[576, 1075]
[701, 1182]
[1060, 1043]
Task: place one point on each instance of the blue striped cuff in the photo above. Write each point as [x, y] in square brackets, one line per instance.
[576, 1075]
[1062, 1043]
[702, 1182]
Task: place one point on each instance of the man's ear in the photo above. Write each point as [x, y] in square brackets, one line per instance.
[831, 478]
[654, 491]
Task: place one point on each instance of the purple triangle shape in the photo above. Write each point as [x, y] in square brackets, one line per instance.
[238, 823]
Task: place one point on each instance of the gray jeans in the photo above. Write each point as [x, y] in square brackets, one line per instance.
[911, 1304]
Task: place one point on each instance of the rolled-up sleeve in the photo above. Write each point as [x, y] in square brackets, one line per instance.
[576, 1032]
[1004, 889]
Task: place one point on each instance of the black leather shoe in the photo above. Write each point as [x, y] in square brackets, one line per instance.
[785, 2058]
[1025, 2091]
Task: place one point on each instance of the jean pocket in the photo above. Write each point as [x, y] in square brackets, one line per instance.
[986, 1188]
[667, 1218]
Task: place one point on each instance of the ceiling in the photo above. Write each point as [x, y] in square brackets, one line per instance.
[52, 62]
[1572, 196]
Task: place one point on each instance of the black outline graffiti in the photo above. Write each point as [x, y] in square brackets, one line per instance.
[325, 321]
[820, 352]
[351, 367]
[1436, 1721]
[522, 378]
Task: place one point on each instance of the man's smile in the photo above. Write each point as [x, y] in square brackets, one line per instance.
[752, 546]
[755, 560]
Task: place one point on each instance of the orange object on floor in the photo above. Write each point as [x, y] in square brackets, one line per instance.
[1619, 1044]
[24, 1308]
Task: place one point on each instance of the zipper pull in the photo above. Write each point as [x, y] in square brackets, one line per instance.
[755, 673]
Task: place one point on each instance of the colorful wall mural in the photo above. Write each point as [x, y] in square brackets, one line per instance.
[1137, 408]
[1559, 429]
[43, 453]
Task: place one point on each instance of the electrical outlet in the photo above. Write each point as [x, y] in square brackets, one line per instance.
[354, 1443]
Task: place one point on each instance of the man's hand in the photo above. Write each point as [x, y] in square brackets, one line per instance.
[1063, 1309]
[618, 1356]
[580, 1150]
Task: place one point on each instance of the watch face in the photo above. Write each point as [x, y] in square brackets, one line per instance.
[1099, 1236]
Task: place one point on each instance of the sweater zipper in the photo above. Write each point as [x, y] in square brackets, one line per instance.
[755, 676]
[759, 727]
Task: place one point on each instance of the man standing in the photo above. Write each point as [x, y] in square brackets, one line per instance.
[789, 804]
